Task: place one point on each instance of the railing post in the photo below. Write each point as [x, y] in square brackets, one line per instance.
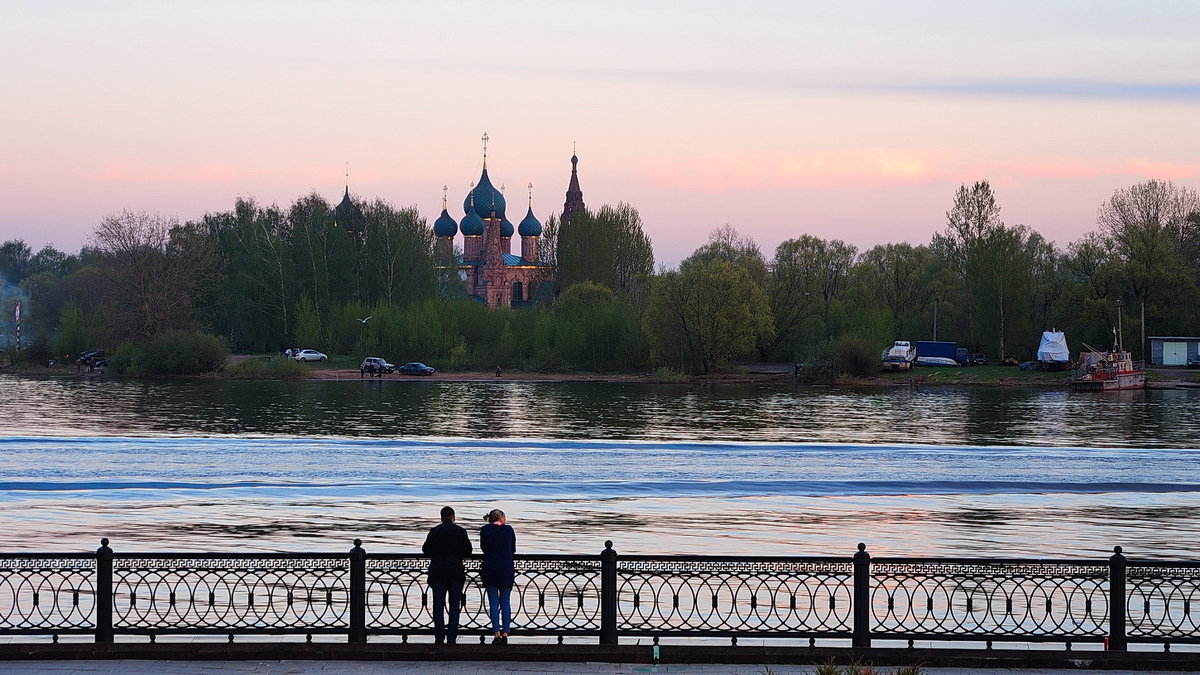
[358, 593]
[608, 595]
[862, 597]
[1117, 640]
[104, 592]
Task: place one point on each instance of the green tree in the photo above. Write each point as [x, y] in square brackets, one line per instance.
[258, 278]
[806, 286]
[73, 337]
[608, 247]
[705, 314]
[793, 293]
[311, 241]
[593, 329]
[310, 334]
[15, 259]
[399, 264]
[895, 278]
[726, 243]
[1003, 281]
[970, 222]
[1148, 226]
[154, 271]
[1048, 282]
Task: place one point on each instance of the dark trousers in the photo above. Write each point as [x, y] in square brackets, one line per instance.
[443, 629]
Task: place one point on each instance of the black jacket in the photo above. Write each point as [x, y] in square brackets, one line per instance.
[446, 545]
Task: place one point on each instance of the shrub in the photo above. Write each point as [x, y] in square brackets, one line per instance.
[668, 375]
[459, 358]
[854, 356]
[179, 352]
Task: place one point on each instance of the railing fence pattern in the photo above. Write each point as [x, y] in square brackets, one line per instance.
[607, 596]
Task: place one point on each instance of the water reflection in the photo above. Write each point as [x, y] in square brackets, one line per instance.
[407, 408]
[746, 469]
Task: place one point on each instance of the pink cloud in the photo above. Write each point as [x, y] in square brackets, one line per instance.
[863, 167]
[884, 167]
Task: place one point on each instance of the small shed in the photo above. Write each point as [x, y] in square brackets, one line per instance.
[1173, 351]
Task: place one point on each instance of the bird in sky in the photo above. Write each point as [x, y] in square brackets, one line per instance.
[364, 320]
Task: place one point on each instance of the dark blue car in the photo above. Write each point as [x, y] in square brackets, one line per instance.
[414, 368]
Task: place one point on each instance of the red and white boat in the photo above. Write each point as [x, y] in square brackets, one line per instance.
[1107, 371]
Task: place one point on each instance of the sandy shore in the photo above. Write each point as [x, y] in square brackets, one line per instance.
[764, 374]
[319, 373]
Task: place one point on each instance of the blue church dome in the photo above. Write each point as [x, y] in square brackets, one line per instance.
[487, 198]
[530, 227]
[445, 226]
[506, 228]
[472, 224]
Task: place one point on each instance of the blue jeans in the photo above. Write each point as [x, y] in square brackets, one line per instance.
[441, 628]
[497, 605]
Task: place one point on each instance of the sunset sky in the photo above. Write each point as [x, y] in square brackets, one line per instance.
[851, 120]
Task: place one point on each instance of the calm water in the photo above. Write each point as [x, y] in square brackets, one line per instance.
[728, 469]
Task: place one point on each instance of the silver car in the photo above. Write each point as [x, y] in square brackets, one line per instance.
[309, 355]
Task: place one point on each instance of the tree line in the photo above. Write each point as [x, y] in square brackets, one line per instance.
[264, 278]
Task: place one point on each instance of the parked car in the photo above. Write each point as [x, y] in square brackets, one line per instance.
[1194, 362]
[415, 368]
[93, 359]
[375, 366]
[309, 355]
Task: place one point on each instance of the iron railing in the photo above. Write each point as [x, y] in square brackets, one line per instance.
[607, 596]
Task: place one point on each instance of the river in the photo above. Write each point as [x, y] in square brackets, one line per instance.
[730, 469]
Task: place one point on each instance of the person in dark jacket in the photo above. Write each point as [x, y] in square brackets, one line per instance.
[446, 545]
[498, 542]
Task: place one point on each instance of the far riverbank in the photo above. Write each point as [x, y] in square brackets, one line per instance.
[759, 373]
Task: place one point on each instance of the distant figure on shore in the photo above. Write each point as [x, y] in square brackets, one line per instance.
[446, 545]
[497, 371]
[498, 542]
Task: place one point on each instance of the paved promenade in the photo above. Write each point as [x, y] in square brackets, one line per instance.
[458, 668]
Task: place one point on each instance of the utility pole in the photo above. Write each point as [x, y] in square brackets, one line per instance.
[1120, 338]
[1142, 347]
[937, 299]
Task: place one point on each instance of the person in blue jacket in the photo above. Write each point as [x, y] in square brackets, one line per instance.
[497, 572]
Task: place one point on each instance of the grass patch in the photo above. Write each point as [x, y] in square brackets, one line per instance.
[668, 376]
[262, 368]
[981, 375]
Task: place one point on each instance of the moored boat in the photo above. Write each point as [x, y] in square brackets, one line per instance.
[1107, 371]
[899, 356]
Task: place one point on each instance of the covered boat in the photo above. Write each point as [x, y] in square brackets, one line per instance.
[1052, 352]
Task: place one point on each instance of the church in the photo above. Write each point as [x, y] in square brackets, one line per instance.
[493, 274]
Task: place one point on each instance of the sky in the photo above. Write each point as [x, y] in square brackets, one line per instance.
[854, 120]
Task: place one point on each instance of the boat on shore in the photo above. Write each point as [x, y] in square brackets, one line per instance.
[898, 357]
[1107, 371]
